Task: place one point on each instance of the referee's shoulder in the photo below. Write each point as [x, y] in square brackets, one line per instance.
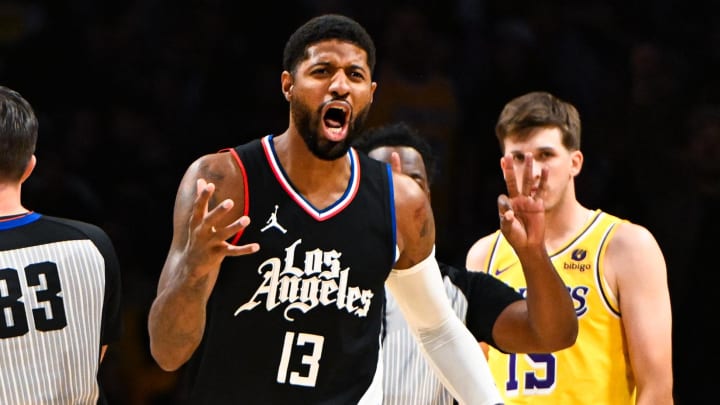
[80, 225]
[80, 228]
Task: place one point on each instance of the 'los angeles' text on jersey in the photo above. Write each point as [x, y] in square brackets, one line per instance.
[299, 321]
[321, 281]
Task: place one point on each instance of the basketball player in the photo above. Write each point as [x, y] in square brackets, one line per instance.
[291, 313]
[614, 270]
[59, 284]
[492, 311]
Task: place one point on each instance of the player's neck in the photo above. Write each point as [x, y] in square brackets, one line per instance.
[321, 182]
[564, 222]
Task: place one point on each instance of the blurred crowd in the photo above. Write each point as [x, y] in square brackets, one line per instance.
[128, 93]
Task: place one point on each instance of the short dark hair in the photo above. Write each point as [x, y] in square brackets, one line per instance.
[399, 134]
[324, 27]
[539, 109]
[18, 134]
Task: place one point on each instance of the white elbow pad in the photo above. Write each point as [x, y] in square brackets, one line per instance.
[449, 347]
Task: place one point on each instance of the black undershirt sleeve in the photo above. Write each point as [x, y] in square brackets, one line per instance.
[487, 297]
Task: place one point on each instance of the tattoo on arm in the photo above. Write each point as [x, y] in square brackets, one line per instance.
[425, 229]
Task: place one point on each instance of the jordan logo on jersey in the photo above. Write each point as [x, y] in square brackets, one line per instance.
[272, 222]
[320, 282]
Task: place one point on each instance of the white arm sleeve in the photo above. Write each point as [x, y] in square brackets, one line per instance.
[449, 347]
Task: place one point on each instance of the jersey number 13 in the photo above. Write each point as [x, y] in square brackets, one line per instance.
[312, 360]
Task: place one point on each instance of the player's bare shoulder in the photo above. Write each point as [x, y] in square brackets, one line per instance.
[632, 255]
[220, 169]
[630, 238]
[478, 253]
[408, 195]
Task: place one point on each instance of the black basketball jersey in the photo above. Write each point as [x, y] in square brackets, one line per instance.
[59, 303]
[299, 321]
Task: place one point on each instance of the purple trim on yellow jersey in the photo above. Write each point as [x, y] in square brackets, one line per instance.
[599, 273]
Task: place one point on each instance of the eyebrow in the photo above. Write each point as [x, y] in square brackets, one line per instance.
[540, 149]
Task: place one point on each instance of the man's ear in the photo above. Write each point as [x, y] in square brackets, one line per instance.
[29, 168]
[287, 85]
[288, 93]
[577, 160]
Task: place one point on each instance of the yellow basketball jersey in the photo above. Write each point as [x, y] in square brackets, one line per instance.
[596, 369]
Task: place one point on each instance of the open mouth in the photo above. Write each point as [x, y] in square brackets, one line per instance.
[335, 119]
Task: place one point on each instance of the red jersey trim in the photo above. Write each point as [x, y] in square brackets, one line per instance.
[246, 202]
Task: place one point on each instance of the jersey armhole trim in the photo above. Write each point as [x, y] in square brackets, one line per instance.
[493, 251]
[246, 194]
[608, 298]
[393, 219]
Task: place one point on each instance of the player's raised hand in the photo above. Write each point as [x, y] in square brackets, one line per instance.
[208, 230]
[395, 162]
[522, 210]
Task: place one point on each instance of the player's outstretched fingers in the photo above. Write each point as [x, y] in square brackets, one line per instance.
[506, 163]
[528, 180]
[204, 191]
[395, 162]
[234, 228]
[215, 216]
[505, 210]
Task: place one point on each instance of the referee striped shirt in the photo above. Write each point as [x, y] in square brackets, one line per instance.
[59, 303]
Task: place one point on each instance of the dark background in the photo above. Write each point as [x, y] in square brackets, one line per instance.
[128, 93]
